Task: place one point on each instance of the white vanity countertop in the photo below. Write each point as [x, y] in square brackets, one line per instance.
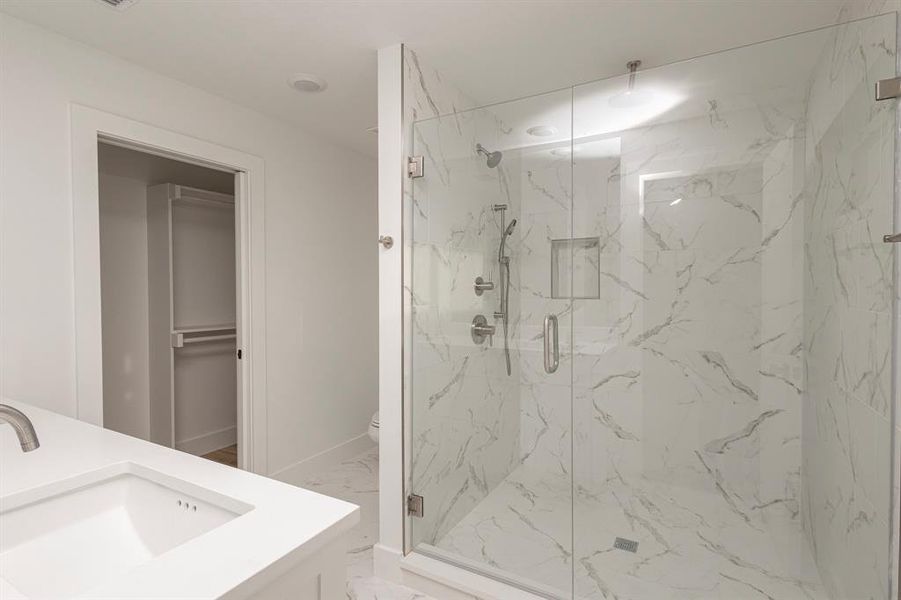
[286, 525]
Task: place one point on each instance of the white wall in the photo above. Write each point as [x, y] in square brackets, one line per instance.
[123, 268]
[320, 233]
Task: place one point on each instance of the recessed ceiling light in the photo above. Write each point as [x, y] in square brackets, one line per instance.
[631, 99]
[305, 82]
[541, 130]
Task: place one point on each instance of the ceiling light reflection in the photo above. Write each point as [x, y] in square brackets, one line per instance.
[636, 107]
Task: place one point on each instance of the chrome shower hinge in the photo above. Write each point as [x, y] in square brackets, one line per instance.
[415, 506]
[415, 167]
[886, 89]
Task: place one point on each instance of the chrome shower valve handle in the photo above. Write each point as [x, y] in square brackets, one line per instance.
[480, 329]
[481, 286]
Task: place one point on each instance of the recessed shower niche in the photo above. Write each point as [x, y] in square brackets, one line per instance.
[575, 268]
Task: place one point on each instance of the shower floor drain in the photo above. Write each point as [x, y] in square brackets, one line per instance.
[624, 544]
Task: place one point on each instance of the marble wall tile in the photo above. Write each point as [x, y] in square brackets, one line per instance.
[848, 198]
[464, 409]
[546, 215]
[739, 350]
[688, 371]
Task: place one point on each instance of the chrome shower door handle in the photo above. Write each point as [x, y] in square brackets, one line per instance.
[551, 344]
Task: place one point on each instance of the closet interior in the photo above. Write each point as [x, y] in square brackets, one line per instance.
[168, 295]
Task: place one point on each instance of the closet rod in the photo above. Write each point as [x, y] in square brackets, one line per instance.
[179, 340]
[206, 328]
[210, 338]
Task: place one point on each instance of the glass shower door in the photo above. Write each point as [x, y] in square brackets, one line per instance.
[715, 420]
[491, 410]
[732, 377]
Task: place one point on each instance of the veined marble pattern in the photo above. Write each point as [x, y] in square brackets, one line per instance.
[846, 434]
[464, 409]
[691, 543]
[726, 399]
[356, 480]
[697, 323]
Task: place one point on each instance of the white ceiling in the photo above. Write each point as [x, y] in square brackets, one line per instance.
[494, 50]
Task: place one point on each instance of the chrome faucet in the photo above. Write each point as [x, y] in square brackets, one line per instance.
[28, 439]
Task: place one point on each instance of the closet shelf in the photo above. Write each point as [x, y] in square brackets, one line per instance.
[206, 202]
[191, 195]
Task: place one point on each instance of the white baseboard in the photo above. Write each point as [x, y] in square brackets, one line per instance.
[206, 443]
[386, 563]
[301, 470]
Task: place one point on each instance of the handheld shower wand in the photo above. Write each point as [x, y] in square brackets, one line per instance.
[504, 267]
[507, 232]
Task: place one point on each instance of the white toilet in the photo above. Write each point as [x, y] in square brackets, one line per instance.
[374, 427]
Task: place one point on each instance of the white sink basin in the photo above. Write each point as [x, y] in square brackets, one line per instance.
[70, 536]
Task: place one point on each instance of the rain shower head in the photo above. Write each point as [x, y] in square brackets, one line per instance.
[494, 158]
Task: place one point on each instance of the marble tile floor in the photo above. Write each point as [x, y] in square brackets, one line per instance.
[692, 544]
[357, 480]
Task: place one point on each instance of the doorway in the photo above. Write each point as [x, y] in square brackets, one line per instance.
[90, 127]
[169, 281]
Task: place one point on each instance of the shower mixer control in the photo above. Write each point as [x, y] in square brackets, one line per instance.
[480, 329]
[481, 285]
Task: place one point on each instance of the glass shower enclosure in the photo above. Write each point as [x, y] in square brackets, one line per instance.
[650, 348]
